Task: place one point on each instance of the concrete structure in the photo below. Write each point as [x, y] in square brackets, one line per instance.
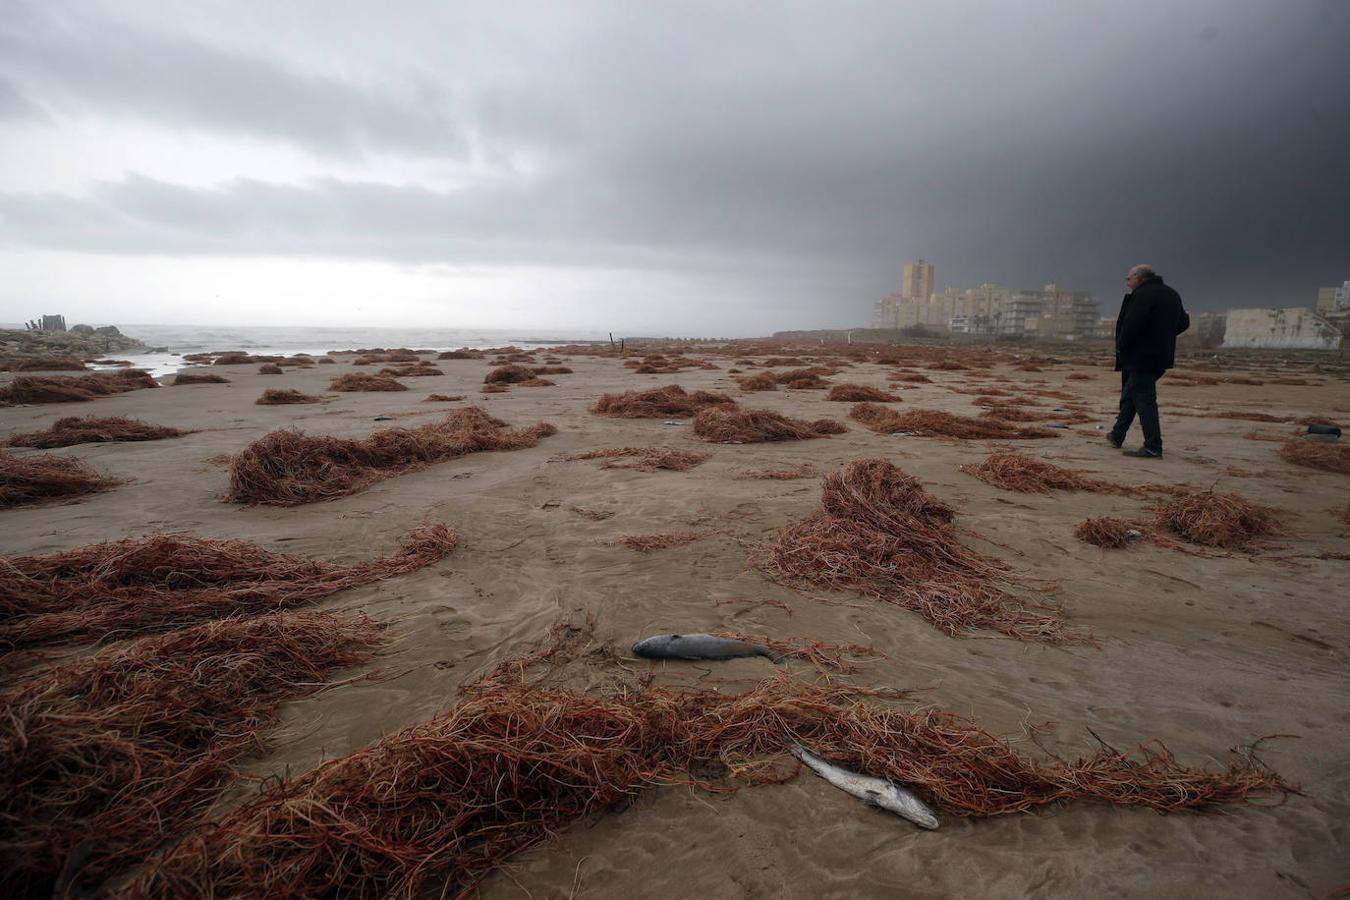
[47, 323]
[886, 312]
[989, 309]
[1326, 300]
[1023, 314]
[1295, 328]
[1209, 328]
[917, 281]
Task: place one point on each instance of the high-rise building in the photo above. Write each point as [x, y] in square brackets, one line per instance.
[917, 283]
[1326, 299]
[1340, 300]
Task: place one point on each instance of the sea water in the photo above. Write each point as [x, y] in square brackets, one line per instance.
[169, 343]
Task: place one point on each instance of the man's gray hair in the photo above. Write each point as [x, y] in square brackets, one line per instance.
[1143, 270]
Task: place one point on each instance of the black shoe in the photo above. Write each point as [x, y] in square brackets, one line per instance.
[1110, 439]
[1143, 453]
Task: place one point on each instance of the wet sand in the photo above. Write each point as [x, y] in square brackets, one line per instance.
[1204, 653]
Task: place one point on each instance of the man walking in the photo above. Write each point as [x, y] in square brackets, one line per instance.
[1151, 317]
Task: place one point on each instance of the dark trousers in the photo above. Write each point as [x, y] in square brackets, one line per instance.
[1139, 395]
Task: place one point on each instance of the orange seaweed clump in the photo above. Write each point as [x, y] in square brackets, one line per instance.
[764, 381]
[199, 378]
[70, 389]
[289, 467]
[658, 403]
[1014, 472]
[752, 426]
[879, 533]
[935, 423]
[646, 459]
[39, 478]
[72, 430]
[284, 396]
[854, 393]
[514, 763]
[363, 381]
[108, 757]
[1105, 532]
[163, 581]
[1216, 519]
[1327, 457]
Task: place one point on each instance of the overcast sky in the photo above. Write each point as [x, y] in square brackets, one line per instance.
[695, 168]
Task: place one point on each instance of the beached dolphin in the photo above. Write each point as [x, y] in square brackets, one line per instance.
[697, 646]
[876, 792]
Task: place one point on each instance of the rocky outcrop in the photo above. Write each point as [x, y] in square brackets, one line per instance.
[17, 347]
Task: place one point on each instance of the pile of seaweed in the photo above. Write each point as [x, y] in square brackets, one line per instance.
[364, 381]
[105, 758]
[1013, 471]
[71, 430]
[878, 532]
[41, 477]
[199, 378]
[658, 403]
[71, 389]
[142, 585]
[289, 467]
[645, 459]
[285, 396]
[936, 423]
[753, 426]
[1216, 519]
[444, 803]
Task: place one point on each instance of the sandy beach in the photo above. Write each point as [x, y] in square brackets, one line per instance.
[1204, 651]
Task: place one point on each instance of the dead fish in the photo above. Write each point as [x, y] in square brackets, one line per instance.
[876, 792]
[697, 646]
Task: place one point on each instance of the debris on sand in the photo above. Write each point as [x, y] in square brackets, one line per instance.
[364, 381]
[879, 533]
[41, 477]
[289, 467]
[514, 763]
[72, 430]
[1216, 519]
[1012, 471]
[105, 758]
[142, 585]
[72, 389]
[753, 426]
[1105, 531]
[1314, 455]
[855, 393]
[199, 378]
[658, 403]
[645, 459]
[284, 396]
[935, 423]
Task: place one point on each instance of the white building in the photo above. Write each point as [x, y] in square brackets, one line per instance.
[1296, 328]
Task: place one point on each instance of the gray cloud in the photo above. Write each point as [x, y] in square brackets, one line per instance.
[14, 105]
[1011, 146]
[188, 83]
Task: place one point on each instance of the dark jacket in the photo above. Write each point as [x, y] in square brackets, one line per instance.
[1151, 317]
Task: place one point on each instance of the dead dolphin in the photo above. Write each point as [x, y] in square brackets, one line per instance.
[876, 792]
[697, 646]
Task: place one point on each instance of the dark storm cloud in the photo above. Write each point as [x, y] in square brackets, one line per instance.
[1017, 145]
